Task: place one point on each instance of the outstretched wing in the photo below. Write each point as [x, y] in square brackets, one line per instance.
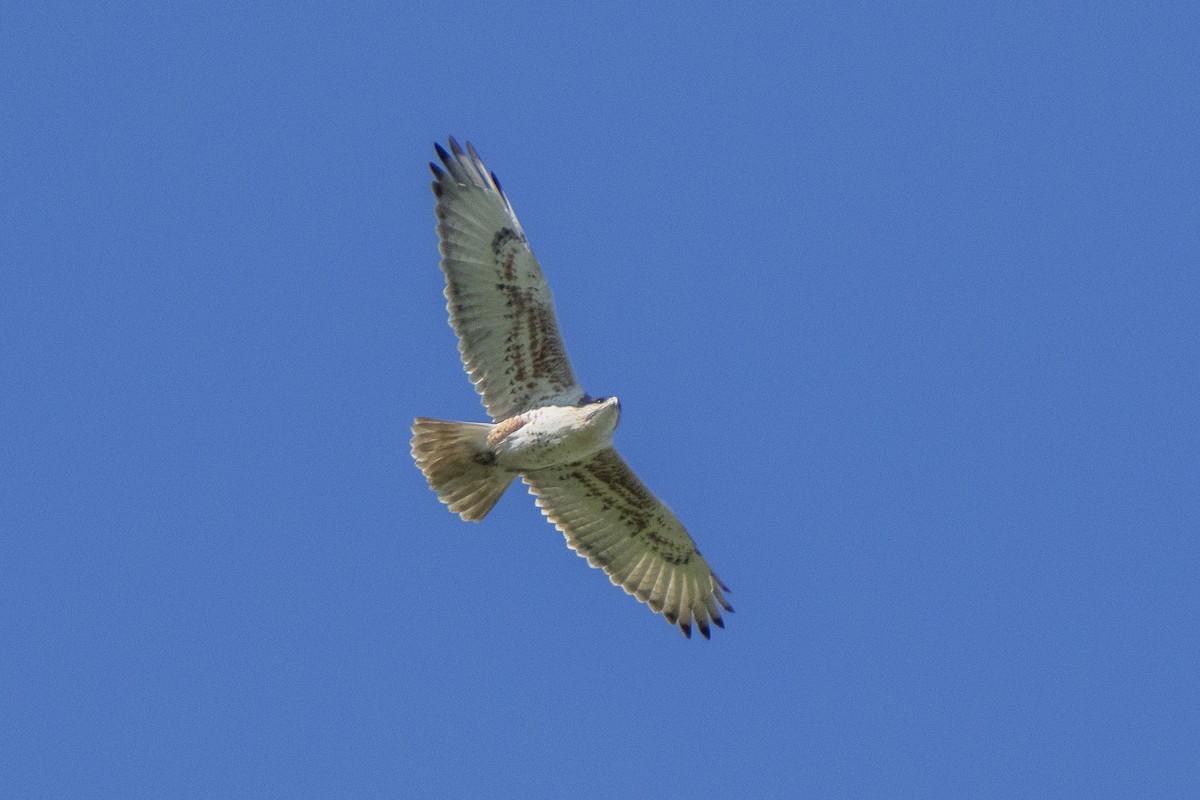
[499, 303]
[610, 518]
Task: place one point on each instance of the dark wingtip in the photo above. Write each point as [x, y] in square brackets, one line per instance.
[456, 148]
[703, 628]
[686, 628]
[720, 623]
[439, 179]
[442, 154]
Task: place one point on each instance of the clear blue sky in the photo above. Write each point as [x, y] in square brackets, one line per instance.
[901, 301]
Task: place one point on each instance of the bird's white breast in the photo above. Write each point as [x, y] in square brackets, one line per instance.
[556, 435]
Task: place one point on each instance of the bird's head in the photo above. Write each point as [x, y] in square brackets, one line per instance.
[603, 410]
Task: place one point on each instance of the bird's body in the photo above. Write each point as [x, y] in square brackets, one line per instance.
[554, 436]
[544, 427]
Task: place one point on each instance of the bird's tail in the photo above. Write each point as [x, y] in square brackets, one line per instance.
[456, 462]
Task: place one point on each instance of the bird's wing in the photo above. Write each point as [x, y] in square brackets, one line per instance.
[499, 303]
[610, 518]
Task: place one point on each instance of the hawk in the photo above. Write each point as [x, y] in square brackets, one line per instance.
[544, 427]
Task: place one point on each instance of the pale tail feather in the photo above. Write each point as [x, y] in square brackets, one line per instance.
[454, 458]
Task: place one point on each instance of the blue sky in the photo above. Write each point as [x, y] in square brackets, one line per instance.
[901, 302]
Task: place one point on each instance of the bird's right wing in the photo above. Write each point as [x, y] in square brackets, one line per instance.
[499, 303]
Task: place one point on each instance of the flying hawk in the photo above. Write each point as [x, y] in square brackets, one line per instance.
[544, 428]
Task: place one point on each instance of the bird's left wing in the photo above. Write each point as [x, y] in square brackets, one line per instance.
[614, 521]
[499, 303]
